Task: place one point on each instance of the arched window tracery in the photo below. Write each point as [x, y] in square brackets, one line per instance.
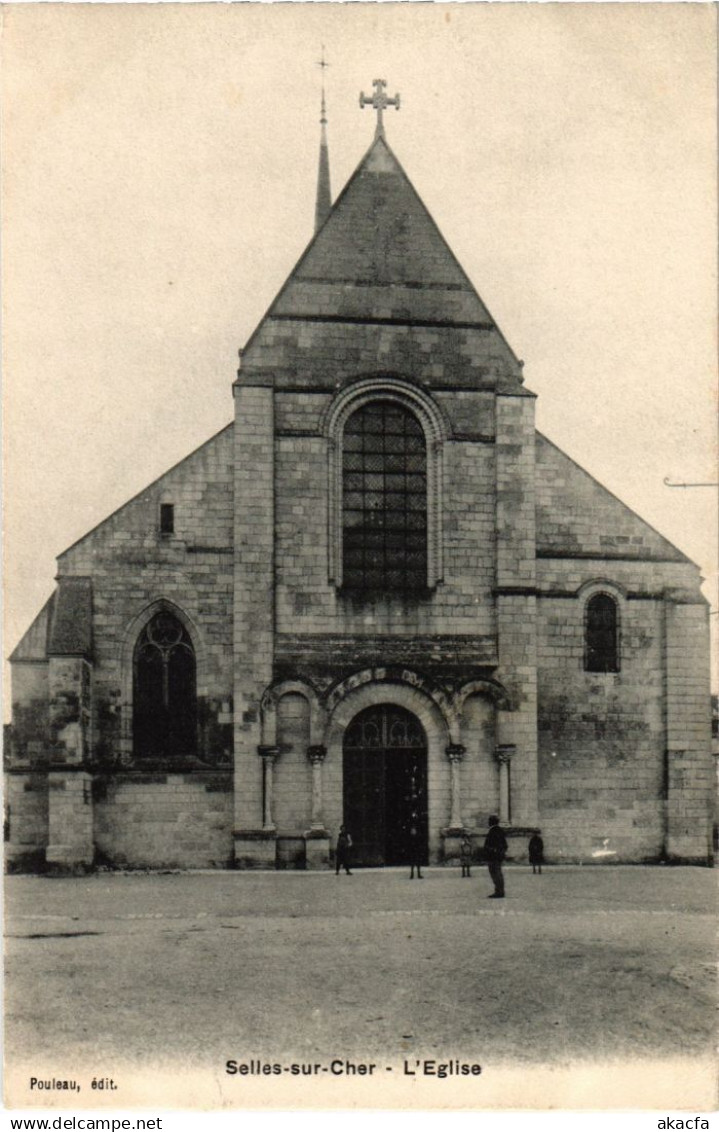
[164, 702]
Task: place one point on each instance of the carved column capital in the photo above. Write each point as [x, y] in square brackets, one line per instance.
[504, 753]
[316, 755]
[456, 752]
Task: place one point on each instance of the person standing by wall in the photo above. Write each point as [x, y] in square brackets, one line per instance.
[415, 853]
[465, 856]
[536, 852]
[343, 852]
[495, 850]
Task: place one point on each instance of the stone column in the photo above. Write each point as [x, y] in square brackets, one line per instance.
[317, 838]
[316, 756]
[455, 754]
[269, 755]
[503, 755]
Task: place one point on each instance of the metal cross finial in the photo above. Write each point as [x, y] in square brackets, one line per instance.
[379, 101]
[323, 64]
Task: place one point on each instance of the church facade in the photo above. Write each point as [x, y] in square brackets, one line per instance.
[378, 598]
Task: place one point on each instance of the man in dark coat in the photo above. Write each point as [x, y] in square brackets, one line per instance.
[495, 850]
[415, 854]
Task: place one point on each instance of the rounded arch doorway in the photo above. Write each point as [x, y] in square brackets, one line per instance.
[385, 786]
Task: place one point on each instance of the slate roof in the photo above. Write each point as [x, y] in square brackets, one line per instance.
[380, 257]
[579, 516]
[63, 627]
[71, 627]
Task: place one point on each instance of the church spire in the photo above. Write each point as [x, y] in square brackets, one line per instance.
[324, 193]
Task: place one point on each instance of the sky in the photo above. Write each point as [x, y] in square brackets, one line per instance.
[159, 173]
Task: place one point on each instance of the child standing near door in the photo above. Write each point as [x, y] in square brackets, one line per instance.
[465, 856]
[415, 855]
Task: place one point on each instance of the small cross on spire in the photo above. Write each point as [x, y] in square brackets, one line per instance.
[324, 65]
[323, 204]
[379, 101]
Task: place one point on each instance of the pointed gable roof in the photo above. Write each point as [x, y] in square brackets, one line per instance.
[579, 517]
[63, 627]
[380, 259]
[71, 627]
[379, 234]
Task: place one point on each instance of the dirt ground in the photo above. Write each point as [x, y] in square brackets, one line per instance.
[580, 962]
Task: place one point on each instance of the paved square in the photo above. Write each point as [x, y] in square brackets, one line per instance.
[598, 963]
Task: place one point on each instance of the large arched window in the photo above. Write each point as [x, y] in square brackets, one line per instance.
[601, 634]
[164, 701]
[384, 499]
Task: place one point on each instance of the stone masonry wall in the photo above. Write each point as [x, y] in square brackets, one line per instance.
[690, 774]
[293, 774]
[305, 353]
[478, 771]
[601, 737]
[607, 767]
[26, 820]
[70, 820]
[515, 598]
[168, 821]
[70, 699]
[307, 602]
[30, 712]
[576, 514]
[133, 565]
[254, 601]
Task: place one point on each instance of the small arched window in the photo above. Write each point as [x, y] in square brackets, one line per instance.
[164, 702]
[384, 499]
[601, 635]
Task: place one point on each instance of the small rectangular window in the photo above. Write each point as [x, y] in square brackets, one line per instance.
[167, 518]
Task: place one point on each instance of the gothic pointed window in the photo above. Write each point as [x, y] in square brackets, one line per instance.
[164, 690]
[384, 499]
[601, 639]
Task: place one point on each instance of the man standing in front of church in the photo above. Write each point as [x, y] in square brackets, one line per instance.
[495, 850]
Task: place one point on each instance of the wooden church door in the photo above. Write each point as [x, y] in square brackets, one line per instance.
[385, 785]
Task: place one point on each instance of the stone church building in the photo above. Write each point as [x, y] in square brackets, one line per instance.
[378, 597]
